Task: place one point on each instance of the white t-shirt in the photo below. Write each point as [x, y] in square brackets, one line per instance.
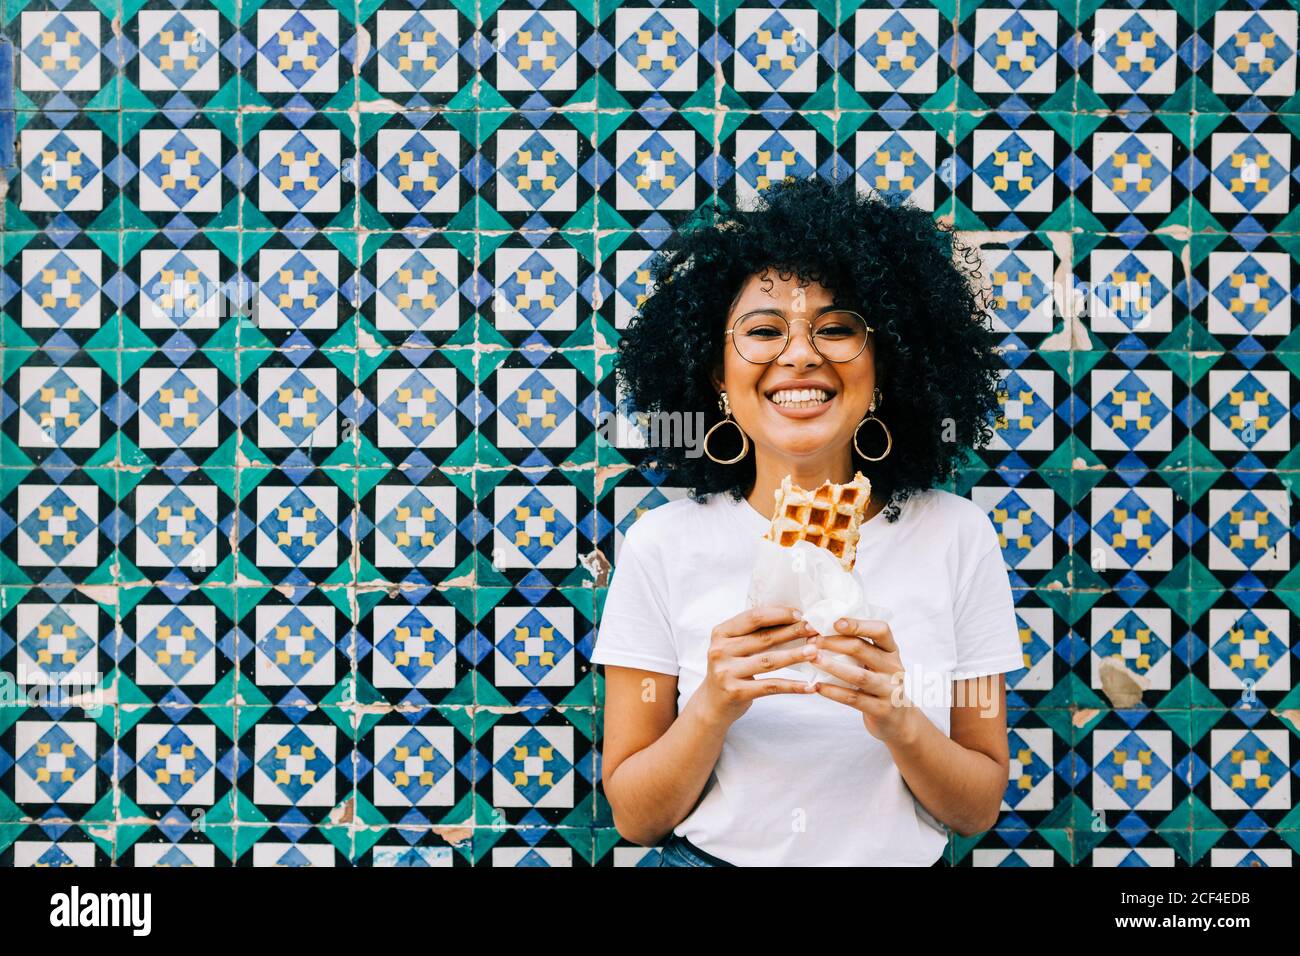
[800, 781]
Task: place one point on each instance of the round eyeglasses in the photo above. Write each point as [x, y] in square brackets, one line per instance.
[838, 335]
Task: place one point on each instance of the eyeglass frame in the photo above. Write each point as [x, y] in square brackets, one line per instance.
[789, 328]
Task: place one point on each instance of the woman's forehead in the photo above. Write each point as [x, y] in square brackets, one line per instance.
[763, 289]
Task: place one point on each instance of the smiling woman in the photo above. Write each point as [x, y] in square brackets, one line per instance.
[821, 333]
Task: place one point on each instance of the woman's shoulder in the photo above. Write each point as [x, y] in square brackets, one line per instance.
[952, 512]
[665, 522]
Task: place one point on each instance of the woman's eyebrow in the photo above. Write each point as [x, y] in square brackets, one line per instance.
[781, 312]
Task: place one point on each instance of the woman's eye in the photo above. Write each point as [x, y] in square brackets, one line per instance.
[834, 331]
[763, 332]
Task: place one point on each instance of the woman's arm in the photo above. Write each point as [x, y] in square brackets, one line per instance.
[656, 762]
[960, 779]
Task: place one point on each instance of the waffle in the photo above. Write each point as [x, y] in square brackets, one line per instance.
[828, 517]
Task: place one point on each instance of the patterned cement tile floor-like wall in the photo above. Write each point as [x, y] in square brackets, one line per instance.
[308, 318]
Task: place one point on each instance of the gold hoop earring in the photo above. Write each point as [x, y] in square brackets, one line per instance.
[725, 405]
[889, 439]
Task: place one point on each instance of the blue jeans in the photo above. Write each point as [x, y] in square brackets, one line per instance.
[678, 851]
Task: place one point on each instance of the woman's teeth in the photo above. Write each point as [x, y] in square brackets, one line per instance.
[800, 397]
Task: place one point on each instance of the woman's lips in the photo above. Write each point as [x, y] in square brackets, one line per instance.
[802, 410]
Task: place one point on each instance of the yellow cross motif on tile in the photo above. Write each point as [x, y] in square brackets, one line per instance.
[406, 417]
[285, 514]
[547, 515]
[1001, 516]
[423, 288]
[72, 38]
[165, 654]
[1024, 757]
[1002, 159]
[907, 157]
[1140, 280]
[45, 633]
[1257, 646]
[168, 38]
[545, 778]
[285, 656]
[764, 60]
[525, 61]
[1023, 421]
[306, 752]
[546, 658]
[885, 38]
[403, 754]
[1118, 636]
[424, 171]
[168, 298]
[67, 536]
[167, 396]
[191, 160]
[1260, 161]
[1120, 396]
[310, 159]
[66, 751]
[423, 50]
[309, 395]
[1120, 184]
[525, 179]
[646, 38]
[50, 299]
[524, 418]
[187, 514]
[1029, 38]
[1124, 40]
[1241, 63]
[1253, 530]
[1120, 516]
[288, 40]
[1143, 781]
[763, 180]
[49, 159]
[1023, 281]
[666, 158]
[525, 278]
[404, 657]
[163, 774]
[1255, 777]
[1251, 292]
[50, 417]
[309, 276]
[427, 513]
[1248, 412]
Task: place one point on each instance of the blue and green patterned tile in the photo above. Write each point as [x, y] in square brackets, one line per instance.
[1017, 58]
[779, 59]
[69, 176]
[536, 170]
[535, 645]
[67, 56]
[531, 55]
[659, 57]
[418, 290]
[540, 286]
[1244, 164]
[900, 55]
[1246, 61]
[903, 155]
[655, 168]
[183, 53]
[1015, 171]
[1138, 57]
[298, 59]
[420, 57]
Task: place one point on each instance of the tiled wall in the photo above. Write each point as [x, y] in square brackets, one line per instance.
[308, 319]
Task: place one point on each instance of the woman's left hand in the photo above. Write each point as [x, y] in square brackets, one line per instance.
[876, 676]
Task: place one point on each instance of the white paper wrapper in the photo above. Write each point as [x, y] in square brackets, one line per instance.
[811, 579]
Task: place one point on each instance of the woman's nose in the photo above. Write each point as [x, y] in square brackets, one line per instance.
[799, 350]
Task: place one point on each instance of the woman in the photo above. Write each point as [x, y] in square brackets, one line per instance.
[822, 333]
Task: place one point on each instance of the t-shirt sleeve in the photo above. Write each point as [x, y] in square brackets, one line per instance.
[633, 630]
[984, 617]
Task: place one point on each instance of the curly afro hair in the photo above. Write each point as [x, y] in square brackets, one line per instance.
[937, 365]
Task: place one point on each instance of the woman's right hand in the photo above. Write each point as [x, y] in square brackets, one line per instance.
[741, 647]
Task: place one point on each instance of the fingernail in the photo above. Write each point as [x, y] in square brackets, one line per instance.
[842, 624]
